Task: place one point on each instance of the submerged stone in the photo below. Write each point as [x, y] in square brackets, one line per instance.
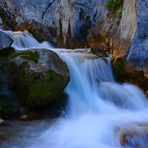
[134, 136]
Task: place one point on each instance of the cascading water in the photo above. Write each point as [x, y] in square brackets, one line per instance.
[98, 107]
[24, 40]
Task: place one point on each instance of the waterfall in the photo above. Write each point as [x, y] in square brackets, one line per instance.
[98, 106]
[24, 40]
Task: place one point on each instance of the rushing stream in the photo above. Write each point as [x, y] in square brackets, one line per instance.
[98, 107]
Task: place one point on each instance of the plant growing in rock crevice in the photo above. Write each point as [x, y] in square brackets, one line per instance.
[115, 6]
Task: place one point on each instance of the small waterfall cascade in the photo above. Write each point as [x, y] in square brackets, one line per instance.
[24, 40]
[98, 108]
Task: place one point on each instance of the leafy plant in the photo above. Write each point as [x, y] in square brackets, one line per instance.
[115, 6]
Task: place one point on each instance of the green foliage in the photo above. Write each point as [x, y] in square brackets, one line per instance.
[119, 12]
[114, 5]
[45, 89]
[28, 55]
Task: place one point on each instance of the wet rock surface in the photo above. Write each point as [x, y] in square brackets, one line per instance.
[38, 77]
[13, 132]
[100, 50]
[126, 72]
[32, 80]
[82, 23]
[72, 20]
[5, 40]
[135, 137]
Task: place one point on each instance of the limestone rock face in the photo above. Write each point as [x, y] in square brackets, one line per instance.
[71, 19]
[82, 23]
[138, 52]
[127, 26]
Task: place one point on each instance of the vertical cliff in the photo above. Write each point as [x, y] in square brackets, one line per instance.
[127, 24]
[138, 53]
[81, 23]
[72, 19]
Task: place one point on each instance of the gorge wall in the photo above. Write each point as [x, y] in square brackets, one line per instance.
[84, 23]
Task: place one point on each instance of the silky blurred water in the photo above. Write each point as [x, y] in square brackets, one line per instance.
[98, 106]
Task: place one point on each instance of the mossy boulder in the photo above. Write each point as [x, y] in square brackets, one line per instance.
[38, 77]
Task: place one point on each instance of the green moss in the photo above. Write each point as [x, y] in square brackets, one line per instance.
[28, 55]
[45, 89]
[20, 81]
[115, 6]
[35, 88]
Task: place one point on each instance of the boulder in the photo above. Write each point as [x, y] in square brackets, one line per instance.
[38, 77]
[5, 40]
[135, 136]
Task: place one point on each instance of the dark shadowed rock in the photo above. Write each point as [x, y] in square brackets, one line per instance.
[31, 116]
[145, 66]
[7, 108]
[6, 100]
[1, 121]
[127, 72]
[5, 40]
[42, 32]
